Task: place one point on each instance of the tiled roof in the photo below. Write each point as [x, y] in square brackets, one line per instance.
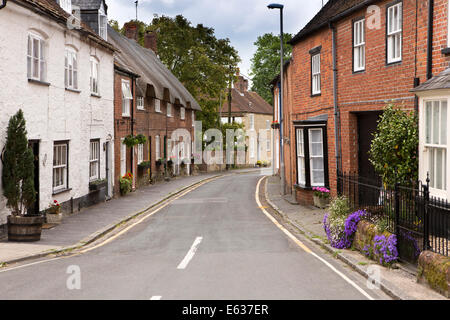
[331, 10]
[441, 81]
[52, 8]
[247, 102]
[144, 62]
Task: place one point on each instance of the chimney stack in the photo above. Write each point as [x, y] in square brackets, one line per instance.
[131, 30]
[241, 84]
[151, 41]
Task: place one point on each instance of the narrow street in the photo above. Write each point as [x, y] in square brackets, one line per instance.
[213, 243]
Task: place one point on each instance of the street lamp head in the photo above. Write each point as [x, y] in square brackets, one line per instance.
[275, 6]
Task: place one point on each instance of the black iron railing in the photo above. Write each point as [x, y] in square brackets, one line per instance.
[419, 221]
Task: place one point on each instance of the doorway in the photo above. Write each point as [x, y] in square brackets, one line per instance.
[367, 126]
[34, 145]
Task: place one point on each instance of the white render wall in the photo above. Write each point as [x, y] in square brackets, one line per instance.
[53, 113]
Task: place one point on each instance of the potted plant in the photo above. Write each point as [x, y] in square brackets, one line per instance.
[18, 183]
[258, 163]
[275, 125]
[54, 214]
[144, 165]
[159, 162]
[126, 184]
[321, 197]
[97, 184]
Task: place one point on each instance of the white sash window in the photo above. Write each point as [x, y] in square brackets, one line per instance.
[36, 65]
[359, 46]
[315, 71]
[394, 33]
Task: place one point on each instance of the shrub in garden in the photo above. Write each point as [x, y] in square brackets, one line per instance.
[334, 221]
[341, 231]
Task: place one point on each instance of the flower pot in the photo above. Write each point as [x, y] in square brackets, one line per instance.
[25, 229]
[54, 218]
[97, 186]
[320, 202]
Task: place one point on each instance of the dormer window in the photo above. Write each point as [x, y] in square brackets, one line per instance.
[66, 5]
[102, 23]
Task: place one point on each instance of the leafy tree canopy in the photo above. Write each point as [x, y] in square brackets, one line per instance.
[266, 63]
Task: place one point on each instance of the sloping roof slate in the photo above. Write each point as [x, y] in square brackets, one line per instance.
[151, 70]
[88, 4]
[247, 102]
[330, 10]
[441, 81]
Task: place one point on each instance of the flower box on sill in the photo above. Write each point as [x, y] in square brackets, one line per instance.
[321, 197]
[97, 185]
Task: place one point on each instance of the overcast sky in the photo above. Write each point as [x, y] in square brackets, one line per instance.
[242, 21]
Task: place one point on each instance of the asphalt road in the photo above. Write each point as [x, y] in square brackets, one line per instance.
[213, 243]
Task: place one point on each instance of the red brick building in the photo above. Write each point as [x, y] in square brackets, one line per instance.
[351, 60]
[149, 100]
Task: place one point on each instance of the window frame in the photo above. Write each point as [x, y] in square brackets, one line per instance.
[66, 5]
[103, 28]
[182, 113]
[316, 74]
[94, 143]
[431, 148]
[140, 103]
[140, 153]
[64, 167]
[157, 105]
[169, 107]
[361, 45]
[94, 76]
[157, 147]
[42, 65]
[193, 117]
[389, 34]
[306, 126]
[127, 98]
[70, 68]
[123, 158]
[251, 121]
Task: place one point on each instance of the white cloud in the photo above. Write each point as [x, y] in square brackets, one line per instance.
[242, 21]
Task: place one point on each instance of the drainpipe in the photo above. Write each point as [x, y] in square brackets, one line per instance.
[337, 122]
[430, 40]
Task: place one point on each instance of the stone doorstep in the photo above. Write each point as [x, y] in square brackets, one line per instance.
[102, 232]
[387, 287]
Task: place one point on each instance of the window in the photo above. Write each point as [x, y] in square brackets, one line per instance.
[102, 26]
[301, 174]
[394, 33]
[71, 69]
[126, 98]
[157, 148]
[436, 142]
[140, 153]
[359, 46]
[311, 156]
[140, 103]
[66, 5]
[315, 72]
[267, 124]
[182, 113]
[169, 109]
[157, 105]
[94, 160]
[94, 75]
[252, 147]
[251, 120]
[60, 166]
[193, 118]
[123, 158]
[268, 142]
[36, 65]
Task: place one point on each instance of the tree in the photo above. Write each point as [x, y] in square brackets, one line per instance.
[393, 151]
[201, 61]
[266, 63]
[18, 167]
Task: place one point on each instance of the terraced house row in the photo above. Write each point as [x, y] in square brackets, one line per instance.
[351, 60]
[84, 88]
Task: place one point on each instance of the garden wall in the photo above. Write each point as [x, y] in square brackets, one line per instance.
[434, 269]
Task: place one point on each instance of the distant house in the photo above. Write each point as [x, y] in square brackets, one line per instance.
[61, 76]
[248, 108]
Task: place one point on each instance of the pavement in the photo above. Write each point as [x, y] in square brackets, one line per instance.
[213, 242]
[89, 224]
[399, 283]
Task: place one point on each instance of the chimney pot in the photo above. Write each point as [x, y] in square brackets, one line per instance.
[131, 30]
[151, 41]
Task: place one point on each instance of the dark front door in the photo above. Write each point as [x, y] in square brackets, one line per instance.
[34, 144]
[367, 126]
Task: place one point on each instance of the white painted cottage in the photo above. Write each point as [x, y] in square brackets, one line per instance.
[61, 74]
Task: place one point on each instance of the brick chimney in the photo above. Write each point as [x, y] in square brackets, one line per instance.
[131, 30]
[151, 41]
[241, 84]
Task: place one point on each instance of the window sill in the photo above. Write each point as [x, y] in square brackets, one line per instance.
[394, 63]
[95, 95]
[43, 83]
[125, 115]
[446, 51]
[316, 95]
[55, 192]
[140, 109]
[359, 71]
[302, 187]
[73, 90]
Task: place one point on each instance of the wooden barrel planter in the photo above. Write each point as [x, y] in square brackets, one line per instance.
[25, 229]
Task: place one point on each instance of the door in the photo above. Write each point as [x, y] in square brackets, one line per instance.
[367, 126]
[107, 169]
[34, 144]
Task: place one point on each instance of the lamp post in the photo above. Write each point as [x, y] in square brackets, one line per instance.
[282, 173]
